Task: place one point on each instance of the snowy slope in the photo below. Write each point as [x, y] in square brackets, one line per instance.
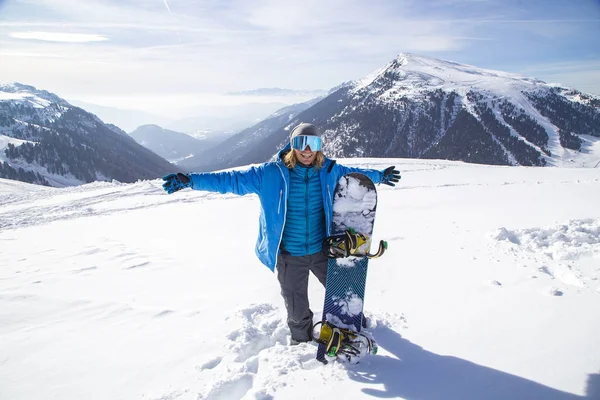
[490, 290]
[5, 141]
[56, 144]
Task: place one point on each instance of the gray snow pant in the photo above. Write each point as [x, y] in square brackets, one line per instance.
[292, 273]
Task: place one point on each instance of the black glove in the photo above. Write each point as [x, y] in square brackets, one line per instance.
[175, 182]
[390, 176]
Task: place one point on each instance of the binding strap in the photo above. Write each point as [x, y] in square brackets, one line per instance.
[348, 244]
[382, 248]
[343, 342]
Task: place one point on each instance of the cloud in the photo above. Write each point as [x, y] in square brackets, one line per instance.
[59, 37]
[581, 75]
[148, 48]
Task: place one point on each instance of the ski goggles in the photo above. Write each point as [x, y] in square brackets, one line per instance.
[301, 142]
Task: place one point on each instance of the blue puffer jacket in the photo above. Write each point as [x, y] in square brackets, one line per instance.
[304, 228]
[271, 182]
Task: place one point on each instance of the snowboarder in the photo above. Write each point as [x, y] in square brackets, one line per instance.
[295, 193]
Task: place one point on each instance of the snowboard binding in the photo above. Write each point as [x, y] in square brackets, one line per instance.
[349, 244]
[343, 344]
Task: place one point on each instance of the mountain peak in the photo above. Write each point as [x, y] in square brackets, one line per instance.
[38, 98]
[402, 59]
[410, 74]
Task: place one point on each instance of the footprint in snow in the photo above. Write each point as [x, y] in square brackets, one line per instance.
[545, 270]
[230, 388]
[555, 292]
[231, 380]
[259, 359]
[211, 363]
[262, 327]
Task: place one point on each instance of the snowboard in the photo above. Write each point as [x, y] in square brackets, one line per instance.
[354, 206]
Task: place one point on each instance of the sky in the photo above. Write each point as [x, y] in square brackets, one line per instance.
[163, 55]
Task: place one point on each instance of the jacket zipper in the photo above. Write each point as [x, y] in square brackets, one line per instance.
[284, 206]
[331, 207]
[306, 209]
[279, 206]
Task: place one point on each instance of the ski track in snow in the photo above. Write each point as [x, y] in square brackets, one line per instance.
[95, 199]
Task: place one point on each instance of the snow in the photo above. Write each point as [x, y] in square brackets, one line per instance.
[5, 141]
[561, 241]
[489, 290]
[35, 101]
[351, 305]
[417, 72]
[355, 199]
[54, 179]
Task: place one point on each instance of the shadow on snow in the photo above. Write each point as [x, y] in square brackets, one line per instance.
[423, 375]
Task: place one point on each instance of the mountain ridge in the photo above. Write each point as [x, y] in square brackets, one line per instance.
[412, 107]
[172, 145]
[48, 141]
[420, 107]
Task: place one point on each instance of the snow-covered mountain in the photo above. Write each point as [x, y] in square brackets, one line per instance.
[440, 109]
[46, 140]
[427, 108]
[171, 145]
[489, 290]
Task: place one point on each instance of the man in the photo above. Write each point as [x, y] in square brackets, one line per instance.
[296, 198]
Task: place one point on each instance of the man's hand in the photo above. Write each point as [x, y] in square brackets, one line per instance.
[390, 176]
[175, 182]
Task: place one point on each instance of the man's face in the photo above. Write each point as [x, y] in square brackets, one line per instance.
[307, 156]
